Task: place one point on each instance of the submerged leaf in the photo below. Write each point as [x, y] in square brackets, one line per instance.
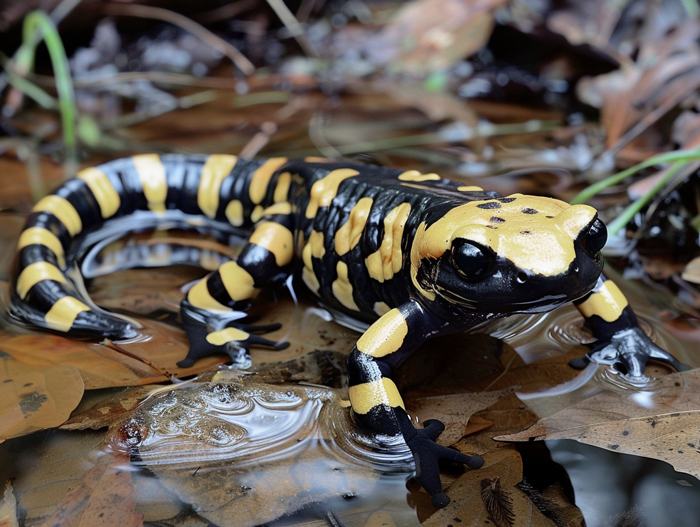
[660, 422]
[34, 397]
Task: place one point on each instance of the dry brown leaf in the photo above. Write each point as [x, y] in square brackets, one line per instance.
[454, 411]
[109, 410]
[467, 508]
[34, 397]
[660, 422]
[430, 35]
[104, 497]
[8, 508]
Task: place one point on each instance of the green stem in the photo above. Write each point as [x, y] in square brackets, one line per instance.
[38, 21]
[679, 155]
[634, 207]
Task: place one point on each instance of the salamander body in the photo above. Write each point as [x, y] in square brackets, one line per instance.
[415, 255]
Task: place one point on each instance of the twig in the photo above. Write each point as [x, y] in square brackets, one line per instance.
[162, 77]
[116, 347]
[293, 26]
[158, 13]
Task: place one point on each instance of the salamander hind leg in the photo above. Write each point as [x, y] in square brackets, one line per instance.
[213, 310]
[377, 403]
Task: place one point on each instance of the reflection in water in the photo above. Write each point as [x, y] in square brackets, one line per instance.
[286, 446]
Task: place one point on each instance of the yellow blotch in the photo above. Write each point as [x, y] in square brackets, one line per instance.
[261, 178]
[257, 213]
[283, 207]
[386, 261]
[313, 159]
[607, 302]
[238, 282]
[106, 195]
[530, 241]
[469, 188]
[63, 210]
[214, 171]
[310, 280]
[366, 396]
[41, 236]
[349, 234]
[415, 175]
[200, 298]
[342, 288]
[234, 213]
[316, 244]
[62, 314]
[277, 239]
[385, 336]
[219, 338]
[324, 190]
[381, 308]
[282, 188]
[416, 255]
[152, 175]
[35, 273]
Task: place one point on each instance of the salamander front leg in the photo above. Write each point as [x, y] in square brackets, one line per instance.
[376, 400]
[620, 340]
[212, 311]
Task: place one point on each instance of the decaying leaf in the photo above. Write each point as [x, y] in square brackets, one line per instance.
[8, 508]
[34, 397]
[109, 410]
[104, 497]
[454, 411]
[467, 508]
[660, 423]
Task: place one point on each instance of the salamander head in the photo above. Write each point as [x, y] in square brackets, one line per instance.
[507, 255]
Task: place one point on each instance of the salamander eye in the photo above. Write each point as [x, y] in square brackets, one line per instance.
[470, 259]
[594, 238]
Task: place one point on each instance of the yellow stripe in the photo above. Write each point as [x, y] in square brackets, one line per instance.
[238, 282]
[41, 236]
[469, 188]
[366, 396]
[62, 314]
[385, 336]
[63, 210]
[219, 338]
[283, 207]
[342, 288]
[152, 175]
[234, 213]
[282, 188]
[349, 234]
[277, 239]
[414, 175]
[200, 298]
[37, 272]
[105, 194]
[324, 190]
[608, 302]
[214, 171]
[261, 178]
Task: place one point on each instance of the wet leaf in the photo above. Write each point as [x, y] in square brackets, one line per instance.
[104, 497]
[34, 397]
[109, 410]
[660, 422]
[8, 508]
[454, 411]
[468, 509]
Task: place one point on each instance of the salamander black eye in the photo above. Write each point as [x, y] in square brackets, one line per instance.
[470, 259]
[593, 239]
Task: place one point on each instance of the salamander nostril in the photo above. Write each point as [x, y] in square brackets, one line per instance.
[522, 277]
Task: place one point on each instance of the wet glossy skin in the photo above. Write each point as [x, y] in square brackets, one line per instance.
[414, 254]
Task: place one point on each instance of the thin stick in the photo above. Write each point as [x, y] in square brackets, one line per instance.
[158, 13]
[293, 26]
[116, 347]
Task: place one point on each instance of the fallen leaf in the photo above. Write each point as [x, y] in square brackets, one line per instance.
[454, 411]
[467, 508]
[104, 497]
[659, 422]
[8, 508]
[109, 410]
[34, 397]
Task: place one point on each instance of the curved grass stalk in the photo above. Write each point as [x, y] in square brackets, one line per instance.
[39, 22]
